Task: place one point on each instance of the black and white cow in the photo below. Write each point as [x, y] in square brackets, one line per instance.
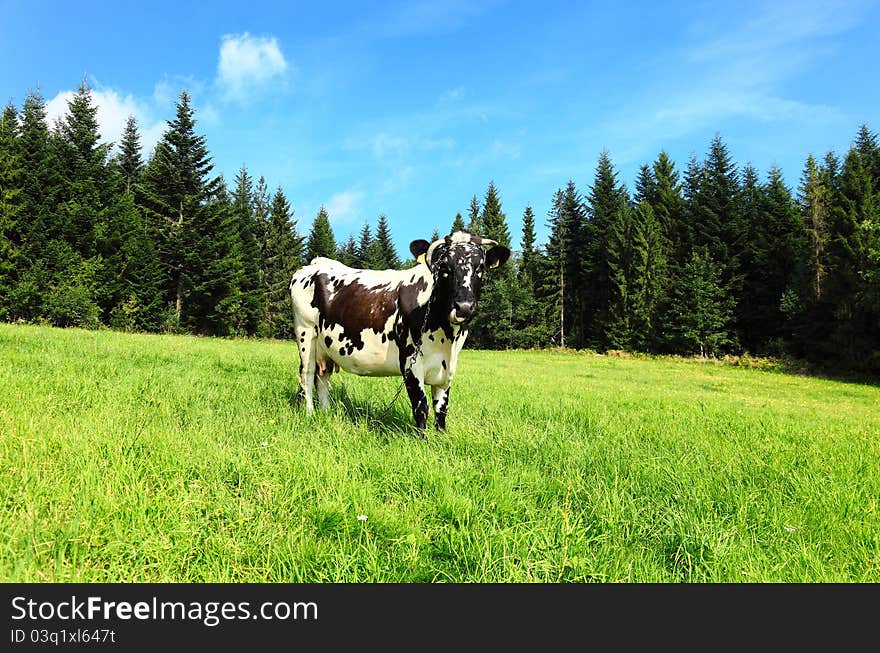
[368, 321]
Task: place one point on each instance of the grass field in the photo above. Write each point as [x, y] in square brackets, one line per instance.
[165, 458]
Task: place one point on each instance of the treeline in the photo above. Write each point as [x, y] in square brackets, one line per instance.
[709, 260]
[162, 245]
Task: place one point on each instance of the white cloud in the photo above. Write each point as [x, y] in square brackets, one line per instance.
[113, 112]
[247, 63]
[344, 207]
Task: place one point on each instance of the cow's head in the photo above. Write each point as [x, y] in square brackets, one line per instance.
[458, 263]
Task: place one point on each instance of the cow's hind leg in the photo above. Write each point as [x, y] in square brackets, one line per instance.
[441, 404]
[323, 370]
[417, 398]
[307, 349]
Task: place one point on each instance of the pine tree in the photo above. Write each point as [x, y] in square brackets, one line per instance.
[11, 182]
[435, 235]
[475, 225]
[85, 194]
[284, 255]
[700, 311]
[814, 197]
[646, 186]
[603, 205]
[347, 252]
[854, 259]
[137, 303]
[252, 291]
[321, 241]
[365, 241]
[668, 204]
[40, 190]
[530, 325]
[493, 325]
[650, 278]
[387, 253]
[131, 163]
[551, 285]
[528, 267]
[457, 224]
[182, 203]
[617, 332]
[492, 219]
[779, 265]
[215, 299]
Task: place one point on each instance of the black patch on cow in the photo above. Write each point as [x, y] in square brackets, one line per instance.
[431, 337]
[354, 307]
[384, 337]
[328, 341]
[443, 363]
[342, 351]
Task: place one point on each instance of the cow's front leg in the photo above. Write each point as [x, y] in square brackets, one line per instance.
[441, 404]
[417, 398]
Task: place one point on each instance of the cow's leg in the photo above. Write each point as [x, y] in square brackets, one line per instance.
[324, 370]
[417, 398]
[307, 347]
[441, 404]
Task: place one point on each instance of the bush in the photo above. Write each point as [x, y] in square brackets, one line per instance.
[72, 306]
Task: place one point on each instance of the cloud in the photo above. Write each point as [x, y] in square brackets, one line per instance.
[113, 112]
[344, 207]
[248, 64]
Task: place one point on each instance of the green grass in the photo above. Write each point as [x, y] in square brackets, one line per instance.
[135, 458]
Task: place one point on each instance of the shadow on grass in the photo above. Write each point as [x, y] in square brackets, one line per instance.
[377, 418]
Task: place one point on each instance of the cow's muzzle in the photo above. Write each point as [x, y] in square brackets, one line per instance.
[461, 312]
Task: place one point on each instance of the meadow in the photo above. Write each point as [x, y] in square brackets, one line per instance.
[159, 458]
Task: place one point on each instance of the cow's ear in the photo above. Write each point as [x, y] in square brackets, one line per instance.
[496, 256]
[419, 247]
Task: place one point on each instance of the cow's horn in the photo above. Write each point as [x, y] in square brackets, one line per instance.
[482, 241]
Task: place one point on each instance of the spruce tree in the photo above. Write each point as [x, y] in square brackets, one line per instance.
[252, 291]
[700, 310]
[457, 224]
[321, 241]
[41, 187]
[387, 253]
[493, 326]
[814, 198]
[84, 196]
[604, 203]
[131, 163]
[364, 247]
[528, 266]
[668, 203]
[182, 202]
[347, 252]
[284, 255]
[646, 186]
[11, 182]
[475, 225]
[650, 278]
[854, 245]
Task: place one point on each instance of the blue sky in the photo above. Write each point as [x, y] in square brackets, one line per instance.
[409, 109]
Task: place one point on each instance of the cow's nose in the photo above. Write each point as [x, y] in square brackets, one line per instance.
[464, 309]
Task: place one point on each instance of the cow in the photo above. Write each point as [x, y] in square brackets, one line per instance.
[411, 322]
